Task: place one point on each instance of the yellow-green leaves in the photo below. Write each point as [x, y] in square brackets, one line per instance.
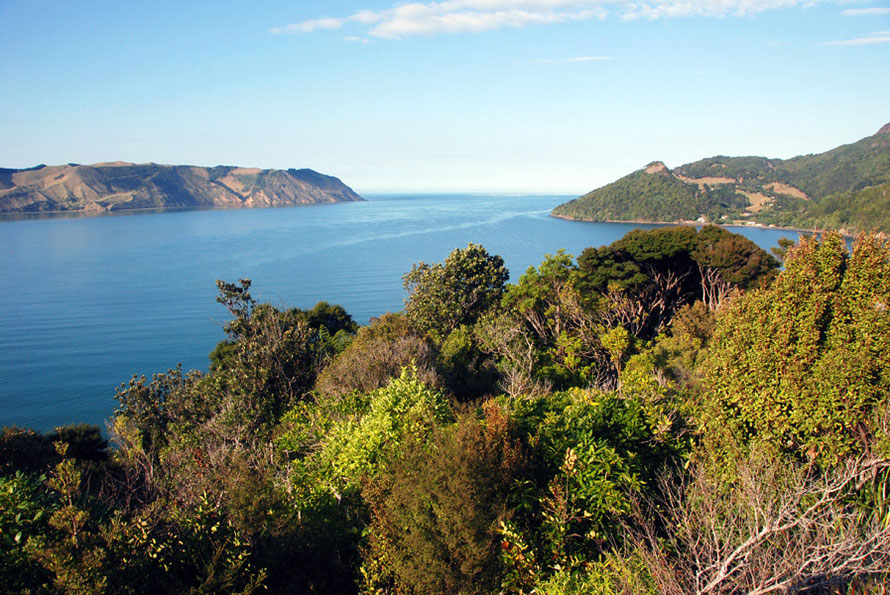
[804, 364]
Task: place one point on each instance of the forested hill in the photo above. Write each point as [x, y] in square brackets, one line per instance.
[842, 189]
[121, 186]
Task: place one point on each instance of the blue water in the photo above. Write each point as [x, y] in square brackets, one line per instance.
[87, 302]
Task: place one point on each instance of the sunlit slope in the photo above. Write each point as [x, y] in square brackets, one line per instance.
[844, 189]
[121, 186]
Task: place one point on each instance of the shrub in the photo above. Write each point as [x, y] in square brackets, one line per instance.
[803, 363]
[378, 354]
[406, 408]
[435, 515]
[597, 453]
[458, 291]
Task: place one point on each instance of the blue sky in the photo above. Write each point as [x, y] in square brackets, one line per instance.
[556, 96]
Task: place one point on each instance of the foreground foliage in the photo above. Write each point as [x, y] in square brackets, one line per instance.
[803, 364]
[667, 414]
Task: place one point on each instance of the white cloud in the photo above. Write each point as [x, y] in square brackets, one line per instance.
[871, 38]
[355, 39]
[475, 16]
[418, 19]
[572, 60]
[858, 12]
[310, 26]
[659, 9]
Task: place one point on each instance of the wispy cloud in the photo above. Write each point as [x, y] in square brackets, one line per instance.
[310, 26]
[446, 17]
[571, 60]
[475, 16]
[365, 17]
[859, 12]
[871, 38]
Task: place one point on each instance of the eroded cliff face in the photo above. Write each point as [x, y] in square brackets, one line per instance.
[121, 186]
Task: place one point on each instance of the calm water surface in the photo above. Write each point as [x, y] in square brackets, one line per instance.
[85, 303]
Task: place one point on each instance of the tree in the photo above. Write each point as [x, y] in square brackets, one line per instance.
[643, 277]
[545, 332]
[647, 275]
[271, 358]
[458, 291]
[726, 261]
[189, 435]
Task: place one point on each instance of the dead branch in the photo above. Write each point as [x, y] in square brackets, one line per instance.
[774, 529]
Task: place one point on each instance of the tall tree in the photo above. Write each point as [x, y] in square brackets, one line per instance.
[458, 291]
[647, 275]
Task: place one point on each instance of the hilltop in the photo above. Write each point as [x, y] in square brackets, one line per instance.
[843, 189]
[123, 186]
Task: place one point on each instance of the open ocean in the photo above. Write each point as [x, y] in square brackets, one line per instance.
[86, 302]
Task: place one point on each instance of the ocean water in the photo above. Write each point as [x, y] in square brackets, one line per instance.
[87, 302]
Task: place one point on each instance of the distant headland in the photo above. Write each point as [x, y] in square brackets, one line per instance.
[844, 189]
[119, 186]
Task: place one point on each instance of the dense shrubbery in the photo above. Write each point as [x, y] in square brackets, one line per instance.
[665, 415]
[803, 364]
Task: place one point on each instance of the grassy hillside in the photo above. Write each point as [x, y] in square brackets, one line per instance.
[849, 167]
[860, 210]
[653, 194]
[123, 186]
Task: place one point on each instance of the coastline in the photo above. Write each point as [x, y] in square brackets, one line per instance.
[843, 233]
[21, 215]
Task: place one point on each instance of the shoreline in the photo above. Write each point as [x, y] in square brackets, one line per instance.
[19, 215]
[844, 234]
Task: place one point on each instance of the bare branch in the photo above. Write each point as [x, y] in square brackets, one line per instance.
[778, 527]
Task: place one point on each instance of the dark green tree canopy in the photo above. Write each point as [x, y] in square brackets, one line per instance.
[660, 270]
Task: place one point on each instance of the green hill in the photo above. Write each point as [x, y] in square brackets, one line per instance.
[651, 194]
[844, 189]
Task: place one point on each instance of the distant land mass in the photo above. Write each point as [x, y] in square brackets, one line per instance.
[123, 186]
[843, 189]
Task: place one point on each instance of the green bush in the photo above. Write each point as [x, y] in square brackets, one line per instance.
[457, 291]
[803, 364]
[596, 453]
[378, 354]
[356, 449]
[25, 509]
[435, 514]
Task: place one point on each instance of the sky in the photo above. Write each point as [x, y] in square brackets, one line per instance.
[526, 96]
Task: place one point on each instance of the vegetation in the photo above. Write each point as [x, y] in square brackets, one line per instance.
[844, 189]
[867, 209]
[641, 196]
[667, 414]
[793, 364]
